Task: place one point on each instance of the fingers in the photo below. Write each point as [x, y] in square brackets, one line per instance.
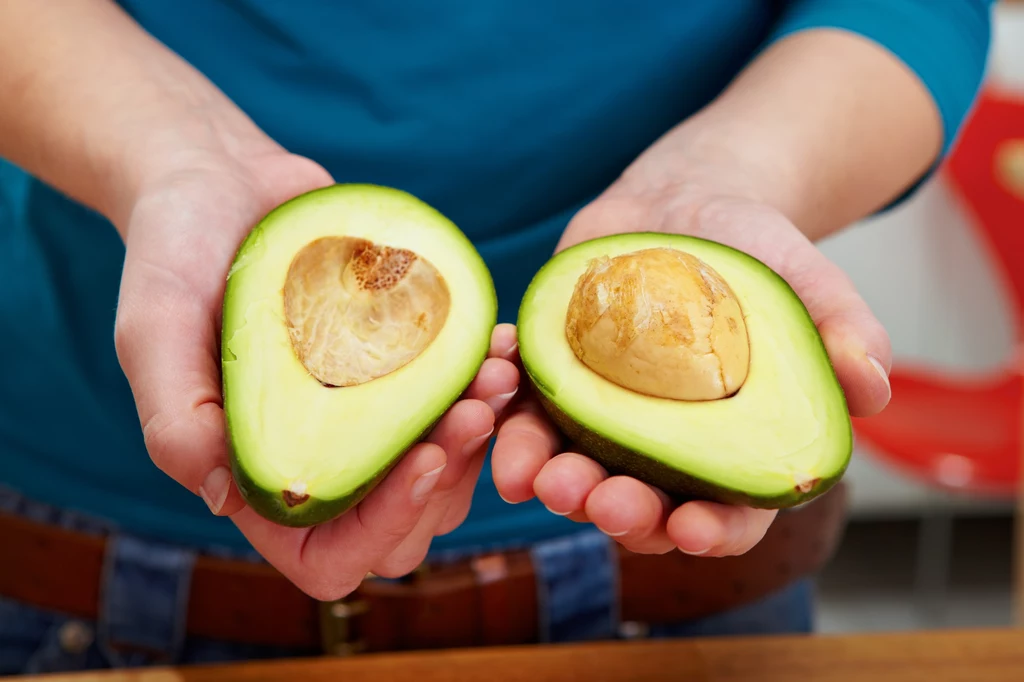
[461, 433]
[565, 482]
[495, 384]
[622, 507]
[389, 533]
[462, 495]
[497, 381]
[862, 357]
[165, 342]
[710, 529]
[504, 346]
[525, 442]
[504, 343]
[856, 341]
[445, 512]
[641, 517]
[633, 513]
[330, 560]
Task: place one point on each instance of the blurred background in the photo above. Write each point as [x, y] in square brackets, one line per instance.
[930, 542]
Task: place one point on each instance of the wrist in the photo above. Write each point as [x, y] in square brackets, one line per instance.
[98, 107]
[824, 127]
[699, 162]
[175, 136]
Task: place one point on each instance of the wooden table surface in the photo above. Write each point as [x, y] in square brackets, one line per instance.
[942, 656]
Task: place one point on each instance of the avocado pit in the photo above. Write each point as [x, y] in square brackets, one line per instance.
[357, 311]
[661, 322]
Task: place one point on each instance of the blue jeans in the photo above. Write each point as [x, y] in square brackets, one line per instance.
[143, 609]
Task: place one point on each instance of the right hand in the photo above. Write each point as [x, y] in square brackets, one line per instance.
[181, 230]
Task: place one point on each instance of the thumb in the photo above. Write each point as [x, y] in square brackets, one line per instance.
[282, 180]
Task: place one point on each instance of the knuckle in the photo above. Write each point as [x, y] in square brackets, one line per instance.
[384, 533]
[754, 531]
[159, 434]
[125, 326]
[327, 590]
[323, 575]
[456, 516]
[397, 566]
[390, 536]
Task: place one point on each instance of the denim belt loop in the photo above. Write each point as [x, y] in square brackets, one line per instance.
[144, 599]
[577, 587]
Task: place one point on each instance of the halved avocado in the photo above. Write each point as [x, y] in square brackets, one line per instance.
[353, 317]
[686, 364]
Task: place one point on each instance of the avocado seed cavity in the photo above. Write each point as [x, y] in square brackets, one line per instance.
[357, 310]
[660, 322]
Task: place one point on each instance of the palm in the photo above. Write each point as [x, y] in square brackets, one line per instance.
[181, 238]
[770, 237]
[527, 460]
[225, 198]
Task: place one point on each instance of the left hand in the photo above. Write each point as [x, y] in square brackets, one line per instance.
[526, 457]
[166, 338]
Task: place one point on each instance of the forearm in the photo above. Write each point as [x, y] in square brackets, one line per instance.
[830, 125]
[825, 126]
[92, 103]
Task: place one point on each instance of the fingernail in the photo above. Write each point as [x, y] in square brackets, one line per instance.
[881, 372]
[556, 513]
[511, 351]
[425, 483]
[695, 553]
[616, 535]
[214, 489]
[475, 444]
[498, 402]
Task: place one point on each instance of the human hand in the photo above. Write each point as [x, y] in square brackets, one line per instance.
[181, 233]
[527, 457]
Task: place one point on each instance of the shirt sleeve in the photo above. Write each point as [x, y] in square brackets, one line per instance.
[944, 42]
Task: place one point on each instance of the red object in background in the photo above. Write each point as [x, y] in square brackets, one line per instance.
[962, 433]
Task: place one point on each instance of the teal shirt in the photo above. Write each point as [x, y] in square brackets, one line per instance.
[506, 116]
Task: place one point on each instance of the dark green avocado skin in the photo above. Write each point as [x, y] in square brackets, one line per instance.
[679, 486]
[312, 511]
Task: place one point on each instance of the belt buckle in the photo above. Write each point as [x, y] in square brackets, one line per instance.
[338, 637]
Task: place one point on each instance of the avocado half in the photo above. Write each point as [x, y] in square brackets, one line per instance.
[354, 316]
[755, 414]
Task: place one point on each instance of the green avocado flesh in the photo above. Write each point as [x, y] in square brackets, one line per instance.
[783, 438]
[303, 449]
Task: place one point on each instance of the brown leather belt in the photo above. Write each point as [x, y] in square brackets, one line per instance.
[488, 600]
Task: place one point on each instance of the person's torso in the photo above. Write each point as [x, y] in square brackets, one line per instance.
[507, 117]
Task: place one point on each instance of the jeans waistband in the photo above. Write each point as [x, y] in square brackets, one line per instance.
[145, 588]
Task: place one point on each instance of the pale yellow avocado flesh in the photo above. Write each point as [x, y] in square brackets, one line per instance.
[294, 437]
[783, 437]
